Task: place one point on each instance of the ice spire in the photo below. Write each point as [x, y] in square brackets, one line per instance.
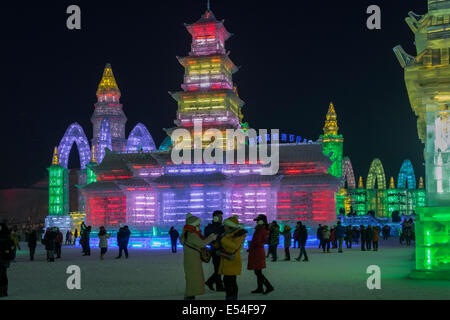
[392, 184]
[331, 127]
[93, 155]
[55, 160]
[421, 183]
[108, 85]
[360, 183]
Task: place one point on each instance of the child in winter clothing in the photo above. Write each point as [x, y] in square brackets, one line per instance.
[103, 243]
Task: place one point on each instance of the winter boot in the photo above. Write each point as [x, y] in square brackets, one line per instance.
[220, 287]
[260, 288]
[269, 287]
[210, 285]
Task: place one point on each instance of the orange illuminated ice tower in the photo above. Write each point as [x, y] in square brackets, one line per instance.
[208, 91]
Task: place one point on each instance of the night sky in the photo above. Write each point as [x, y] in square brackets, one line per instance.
[296, 57]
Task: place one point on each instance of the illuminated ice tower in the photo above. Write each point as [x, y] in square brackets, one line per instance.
[332, 142]
[208, 91]
[427, 77]
[108, 107]
[58, 196]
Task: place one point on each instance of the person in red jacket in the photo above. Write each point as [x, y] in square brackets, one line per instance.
[257, 255]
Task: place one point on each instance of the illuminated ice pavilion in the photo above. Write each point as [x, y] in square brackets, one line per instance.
[427, 78]
[129, 181]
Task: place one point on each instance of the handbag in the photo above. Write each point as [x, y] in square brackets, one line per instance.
[205, 254]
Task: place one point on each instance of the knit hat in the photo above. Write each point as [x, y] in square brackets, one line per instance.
[192, 220]
[232, 222]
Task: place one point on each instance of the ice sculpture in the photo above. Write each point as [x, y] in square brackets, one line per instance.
[406, 177]
[104, 139]
[74, 134]
[376, 175]
[427, 78]
[108, 107]
[332, 142]
[348, 174]
[140, 139]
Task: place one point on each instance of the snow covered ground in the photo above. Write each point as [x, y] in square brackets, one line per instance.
[159, 274]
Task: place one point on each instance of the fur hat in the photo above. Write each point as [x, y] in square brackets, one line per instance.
[192, 220]
[232, 222]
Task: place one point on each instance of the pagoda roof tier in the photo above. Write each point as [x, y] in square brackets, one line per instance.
[214, 58]
[179, 96]
[207, 22]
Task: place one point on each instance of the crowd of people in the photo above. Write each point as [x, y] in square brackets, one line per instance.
[225, 239]
[336, 236]
[220, 243]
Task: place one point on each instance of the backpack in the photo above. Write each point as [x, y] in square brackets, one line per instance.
[8, 250]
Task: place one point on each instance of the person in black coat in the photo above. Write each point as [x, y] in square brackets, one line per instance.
[174, 234]
[85, 236]
[369, 237]
[302, 238]
[320, 235]
[217, 228]
[32, 240]
[5, 251]
[123, 236]
[362, 230]
[49, 242]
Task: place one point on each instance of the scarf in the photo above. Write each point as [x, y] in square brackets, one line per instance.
[189, 228]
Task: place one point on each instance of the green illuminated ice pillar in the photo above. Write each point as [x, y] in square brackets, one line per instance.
[332, 146]
[91, 176]
[427, 78]
[332, 142]
[58, 201]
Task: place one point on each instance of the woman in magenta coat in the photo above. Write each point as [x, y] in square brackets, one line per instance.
[257, 254]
